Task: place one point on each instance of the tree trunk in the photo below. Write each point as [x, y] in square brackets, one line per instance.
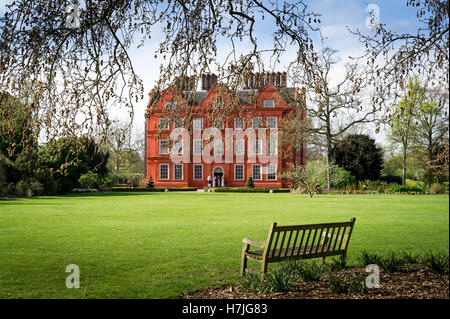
[404, 167]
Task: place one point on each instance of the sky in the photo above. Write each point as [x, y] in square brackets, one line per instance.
[337, 16]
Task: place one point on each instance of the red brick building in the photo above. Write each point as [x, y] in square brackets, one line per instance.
[262, 104]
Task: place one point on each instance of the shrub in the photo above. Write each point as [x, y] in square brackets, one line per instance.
[338, 263]
[339, 285]
[36, 188]
[437, 188]
[89, 180]
[411, 258]
[392, 263]
[250, 190]
[280, 280]
[249, 183]
[342, 178]
[254, 283]
[22, 188]
[311, 271]
[344, 286]
[437, 263]
[366, 258]
[150, 183]
[404, 189]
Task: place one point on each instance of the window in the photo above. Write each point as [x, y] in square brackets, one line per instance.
[177, 123]
[218, 147]
[178, 171]
[239, 172]
[256, 122]
[268, 103]
[198, 147]
[239, 123]
[272, 122]
[239, 147]
[170, 105]
[163, 171]
[198, 124]
[198, 171]
[164, 124]
[271, 172]
[256, 147]
[256, 172]
[178, 145]
[218, 105]
[272, 147]
[163, 147]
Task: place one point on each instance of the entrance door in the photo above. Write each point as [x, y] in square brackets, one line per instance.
[218, 177]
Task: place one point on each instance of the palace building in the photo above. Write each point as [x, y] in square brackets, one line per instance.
[211, 136]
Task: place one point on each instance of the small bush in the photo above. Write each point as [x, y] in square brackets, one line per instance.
[366, 258]
[404, 189]
[338, 263]
[89, 180]
[411, 258]
[150, 183]
[254, 283]
[311, 271]
[280, 280]
[354, 284]
[22, 188]
[249, 183]
[437, 263]
[391, 179]
[392, 263]
[437, 188]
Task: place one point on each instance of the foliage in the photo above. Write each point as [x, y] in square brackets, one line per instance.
[150, 183]
[359, 155]
[438, 263]
[411, 258]
[338, 263]
[250, 190]
[89, 180]
[311, 271]
[404, 189]
[392, 262]
[391, 179]
[367, 258]
[249, 183]
[310, 178]
[342, 178]
[354, 284]
[437, 188]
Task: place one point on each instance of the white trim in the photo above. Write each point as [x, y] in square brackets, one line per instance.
[197, 119]
[182, 172]
[168, 171]
[276, 121]
[193, 171]
[260, 172]
[276, 167]
[264, 104]
[168, 147]
[167, 127]
[243, 172]
[193, 147]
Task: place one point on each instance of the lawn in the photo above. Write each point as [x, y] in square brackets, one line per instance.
[158, 245]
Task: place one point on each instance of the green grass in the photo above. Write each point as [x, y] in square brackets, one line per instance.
[158, 245]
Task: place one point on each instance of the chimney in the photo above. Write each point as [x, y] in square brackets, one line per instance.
[208, 80]
[283, 80]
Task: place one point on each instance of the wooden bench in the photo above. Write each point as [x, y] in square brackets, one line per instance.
[298, 242]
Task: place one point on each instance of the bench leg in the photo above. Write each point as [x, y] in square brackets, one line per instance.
[263, 268]
[244, 258]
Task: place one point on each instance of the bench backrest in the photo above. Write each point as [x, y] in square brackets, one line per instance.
[297, 241]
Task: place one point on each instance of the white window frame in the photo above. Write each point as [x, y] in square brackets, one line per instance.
[260, 172]
[160, 147]
[271, 118]
[258, 145]
[176, 142]
[243, 172]
[168, 171]
[259, 119]
[269, 147]
[193, 167]
[237, 150]
[175, 171]
[236, 120]
[218, 147]
[272, 105]
[170, 105]
[198, 120]
[194, 148]
[268, 172]
[167, 127]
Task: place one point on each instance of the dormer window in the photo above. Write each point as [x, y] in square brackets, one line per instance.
[268, 103]
[170, 106]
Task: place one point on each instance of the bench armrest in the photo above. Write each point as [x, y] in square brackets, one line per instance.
[252, 242]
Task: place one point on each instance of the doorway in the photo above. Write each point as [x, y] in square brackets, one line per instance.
[218, 177]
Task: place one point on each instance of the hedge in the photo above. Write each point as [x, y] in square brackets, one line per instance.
[249, 190]
[155, 189]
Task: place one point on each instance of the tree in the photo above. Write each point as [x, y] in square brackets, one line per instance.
[392, 58]
[150, 183]
[359, 155]
[431, 131]
[79, 62]
[333, 110]
[249, 183]
[310, 178]
[402, 129]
